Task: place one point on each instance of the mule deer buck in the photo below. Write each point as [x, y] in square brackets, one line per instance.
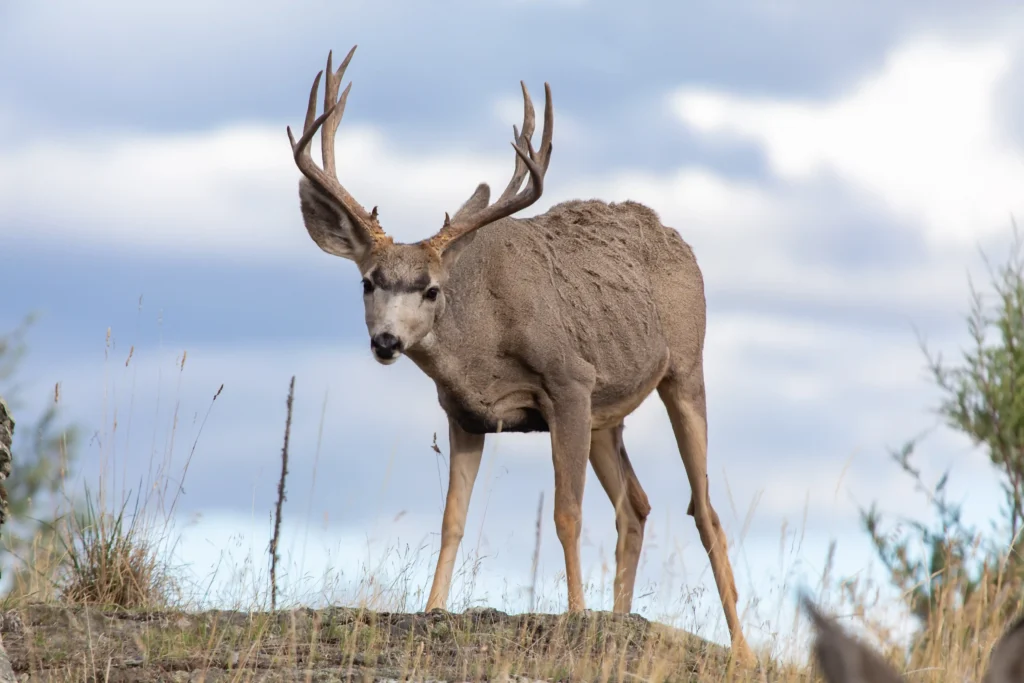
[843, 659]
[562, 323]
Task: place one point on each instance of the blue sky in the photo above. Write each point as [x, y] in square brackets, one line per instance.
[834, 166]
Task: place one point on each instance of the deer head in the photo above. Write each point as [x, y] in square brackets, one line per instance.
[403, 284]
[843, 659]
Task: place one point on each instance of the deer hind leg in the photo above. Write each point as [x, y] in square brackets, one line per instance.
[684, 400]
[464, 464]
[614, 471]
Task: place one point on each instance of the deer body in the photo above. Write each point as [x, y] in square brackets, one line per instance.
[572, 290]
[562, 323]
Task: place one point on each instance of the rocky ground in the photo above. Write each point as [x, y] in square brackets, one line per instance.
[341, 644]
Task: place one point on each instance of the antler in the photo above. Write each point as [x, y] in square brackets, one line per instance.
[527, 161]
[326, 178]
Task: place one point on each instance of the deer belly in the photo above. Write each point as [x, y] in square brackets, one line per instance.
[479, 418]
[521, 421]
[612, 403]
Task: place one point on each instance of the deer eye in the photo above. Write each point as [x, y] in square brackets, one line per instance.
[431, 294]
[367, 286]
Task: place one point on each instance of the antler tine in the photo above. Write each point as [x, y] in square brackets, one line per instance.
[326, 178]
[300, 148]
[527, 161]
[529, 121]
[330, 127]
[549, 126]
[311, 107]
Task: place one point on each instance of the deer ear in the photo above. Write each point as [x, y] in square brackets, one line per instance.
[478, 201]
[1007, 663]
[841, 658]
[329, 225]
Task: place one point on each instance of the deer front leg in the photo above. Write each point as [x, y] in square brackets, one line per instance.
[570, 449]
[464, 462]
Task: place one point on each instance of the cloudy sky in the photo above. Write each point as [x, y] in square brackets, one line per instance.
[835, 167]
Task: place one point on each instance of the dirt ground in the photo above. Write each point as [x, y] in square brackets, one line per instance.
[342, 644]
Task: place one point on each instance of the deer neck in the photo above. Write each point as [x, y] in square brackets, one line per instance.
[437, 359]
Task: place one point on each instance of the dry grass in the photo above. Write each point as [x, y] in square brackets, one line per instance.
[111, 560]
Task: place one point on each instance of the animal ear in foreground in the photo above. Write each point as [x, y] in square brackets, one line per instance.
[844, 659]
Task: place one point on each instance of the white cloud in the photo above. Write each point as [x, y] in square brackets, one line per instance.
[221, 192]
[921, 136]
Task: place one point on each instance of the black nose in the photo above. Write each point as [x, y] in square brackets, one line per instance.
[385, 344]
